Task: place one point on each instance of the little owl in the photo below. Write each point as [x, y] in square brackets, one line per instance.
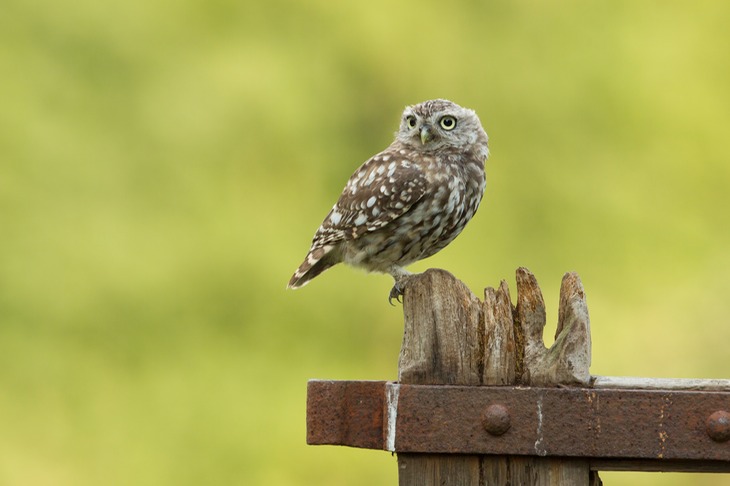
[407, 202]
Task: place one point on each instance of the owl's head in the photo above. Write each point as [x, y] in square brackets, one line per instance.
[436, 125]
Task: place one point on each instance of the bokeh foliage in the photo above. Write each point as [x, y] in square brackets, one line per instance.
[163, 166]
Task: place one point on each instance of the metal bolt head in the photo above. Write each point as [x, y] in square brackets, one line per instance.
[718, 426]
[496, 419]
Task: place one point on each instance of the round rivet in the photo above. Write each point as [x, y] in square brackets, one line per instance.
[718, 426]
[496, 420]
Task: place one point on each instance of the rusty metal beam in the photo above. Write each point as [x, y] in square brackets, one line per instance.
[346, 413]
[634, 429]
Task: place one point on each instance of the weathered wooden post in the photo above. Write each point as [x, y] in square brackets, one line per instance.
[481, 401]
[452, 338]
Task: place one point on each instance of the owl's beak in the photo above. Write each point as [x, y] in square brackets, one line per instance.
[426, 135]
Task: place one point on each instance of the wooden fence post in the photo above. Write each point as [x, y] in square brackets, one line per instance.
[453, 338]
[481, 401]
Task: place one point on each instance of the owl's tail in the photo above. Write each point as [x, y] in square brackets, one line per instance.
[317, 261]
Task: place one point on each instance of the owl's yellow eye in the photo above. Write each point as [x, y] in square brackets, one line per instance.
[448, 122]
[411, 121]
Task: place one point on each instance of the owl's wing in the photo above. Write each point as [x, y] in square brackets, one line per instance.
[381, 190]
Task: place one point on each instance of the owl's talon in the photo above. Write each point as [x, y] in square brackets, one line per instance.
[395, 293]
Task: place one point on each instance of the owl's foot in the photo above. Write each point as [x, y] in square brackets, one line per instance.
[401, 277]
[396, 293]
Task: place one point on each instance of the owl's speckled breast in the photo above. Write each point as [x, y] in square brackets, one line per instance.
[452, 198]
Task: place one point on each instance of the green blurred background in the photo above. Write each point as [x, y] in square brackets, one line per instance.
[163, 166]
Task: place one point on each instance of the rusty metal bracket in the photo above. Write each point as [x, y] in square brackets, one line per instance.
[616, 428]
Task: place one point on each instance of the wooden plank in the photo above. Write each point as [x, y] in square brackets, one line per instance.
[443, 343]
[672, 384]
[659, 465]
[566, 362]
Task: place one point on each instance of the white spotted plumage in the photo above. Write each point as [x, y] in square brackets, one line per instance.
[407, 202]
